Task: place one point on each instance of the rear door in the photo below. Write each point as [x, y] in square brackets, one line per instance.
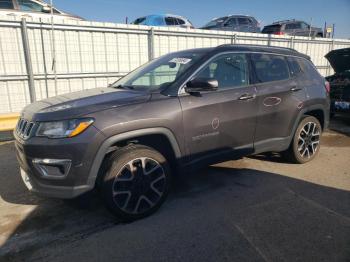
[222, 121]
[230, 25]
[279, 98]
[244, 24]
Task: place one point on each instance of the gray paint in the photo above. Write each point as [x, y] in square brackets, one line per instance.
[201, 128]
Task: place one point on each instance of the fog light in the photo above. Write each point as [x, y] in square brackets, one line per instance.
[52, 168]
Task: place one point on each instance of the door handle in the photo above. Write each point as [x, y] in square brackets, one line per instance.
[294, 89]
[246, 97]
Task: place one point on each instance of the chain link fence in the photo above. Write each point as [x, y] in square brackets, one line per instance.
[38, 60]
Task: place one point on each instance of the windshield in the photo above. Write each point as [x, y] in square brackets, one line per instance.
[216, 21]
[159, 73]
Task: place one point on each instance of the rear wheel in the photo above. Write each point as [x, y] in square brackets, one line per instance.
[306, 141]
[136, 182]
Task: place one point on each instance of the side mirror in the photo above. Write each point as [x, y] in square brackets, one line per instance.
[46, 9]
[201, 84]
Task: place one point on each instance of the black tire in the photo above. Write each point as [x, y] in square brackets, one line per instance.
[128, 192]
[300, 152]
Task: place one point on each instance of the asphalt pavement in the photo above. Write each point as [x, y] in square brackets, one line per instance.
[259, 208]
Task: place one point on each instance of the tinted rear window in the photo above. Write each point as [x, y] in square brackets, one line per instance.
[270, 67]
[139, 20]
[271, 29]
[180, 21]
[6, 4]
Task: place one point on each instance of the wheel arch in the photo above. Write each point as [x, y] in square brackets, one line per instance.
[147, 136]
[317, 111]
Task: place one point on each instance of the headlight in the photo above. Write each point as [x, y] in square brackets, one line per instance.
[61, 129]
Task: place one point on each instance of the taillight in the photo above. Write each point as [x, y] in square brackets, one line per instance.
[279, 33]
[327, 85]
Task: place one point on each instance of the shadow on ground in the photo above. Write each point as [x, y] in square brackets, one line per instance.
[341, 123]
[216, 214]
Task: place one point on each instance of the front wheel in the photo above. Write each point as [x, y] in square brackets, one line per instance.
[306, 141]
[136, 182]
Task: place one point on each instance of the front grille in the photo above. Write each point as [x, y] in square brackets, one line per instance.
[24, 128]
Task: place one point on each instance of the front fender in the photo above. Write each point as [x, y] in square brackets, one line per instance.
[103, 150]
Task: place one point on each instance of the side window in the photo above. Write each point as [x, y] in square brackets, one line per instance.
[230, 70]
[304, 25]
[294, 67]
[27, 5]
[170, 21]
[243, 21]
[6, 4]
[290, 26]
[297, 25]
[180, 21]
[231, 22]
[270, 67]
[308, 68]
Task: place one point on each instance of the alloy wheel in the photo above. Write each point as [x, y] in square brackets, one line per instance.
[308, 140]
[139, 185]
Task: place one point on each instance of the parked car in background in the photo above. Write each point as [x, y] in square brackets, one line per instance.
[239, 23]
[292, 27]
[32, 8]
[340, 80]
[164, 20]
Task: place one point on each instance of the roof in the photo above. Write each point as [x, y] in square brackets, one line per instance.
[261, 48]
[165, 15]
[232, 15]
[249, 48]
[286, 21]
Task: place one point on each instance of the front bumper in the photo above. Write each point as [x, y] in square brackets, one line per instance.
[64, 192]
[75, 154]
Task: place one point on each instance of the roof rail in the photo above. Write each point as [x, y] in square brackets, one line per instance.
[261, 46]
[284, 21]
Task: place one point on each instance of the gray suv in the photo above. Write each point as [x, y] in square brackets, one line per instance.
[292, 27]
[185, 109]
[238, 23]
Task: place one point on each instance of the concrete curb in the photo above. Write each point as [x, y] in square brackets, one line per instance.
[8, 121]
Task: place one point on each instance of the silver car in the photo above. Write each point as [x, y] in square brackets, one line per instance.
[32, 9]
[238, 23]
[292, 27]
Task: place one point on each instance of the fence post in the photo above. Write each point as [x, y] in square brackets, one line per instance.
[28, 60]
[44, 57]
[292, 42]
[151, 44]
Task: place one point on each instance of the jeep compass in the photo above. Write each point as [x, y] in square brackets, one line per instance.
[185, 109]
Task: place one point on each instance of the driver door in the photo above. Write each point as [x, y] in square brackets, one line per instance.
[222, 122]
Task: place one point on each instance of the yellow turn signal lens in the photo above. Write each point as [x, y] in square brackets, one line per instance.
[80, 128]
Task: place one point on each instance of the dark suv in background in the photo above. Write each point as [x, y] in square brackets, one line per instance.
[339, 81]
[185, 109]
[292, 27]
[238, 23]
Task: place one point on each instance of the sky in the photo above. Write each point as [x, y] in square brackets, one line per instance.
[201, 12]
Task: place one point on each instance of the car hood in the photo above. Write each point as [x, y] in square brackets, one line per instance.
[339, 59]
[81, 103]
